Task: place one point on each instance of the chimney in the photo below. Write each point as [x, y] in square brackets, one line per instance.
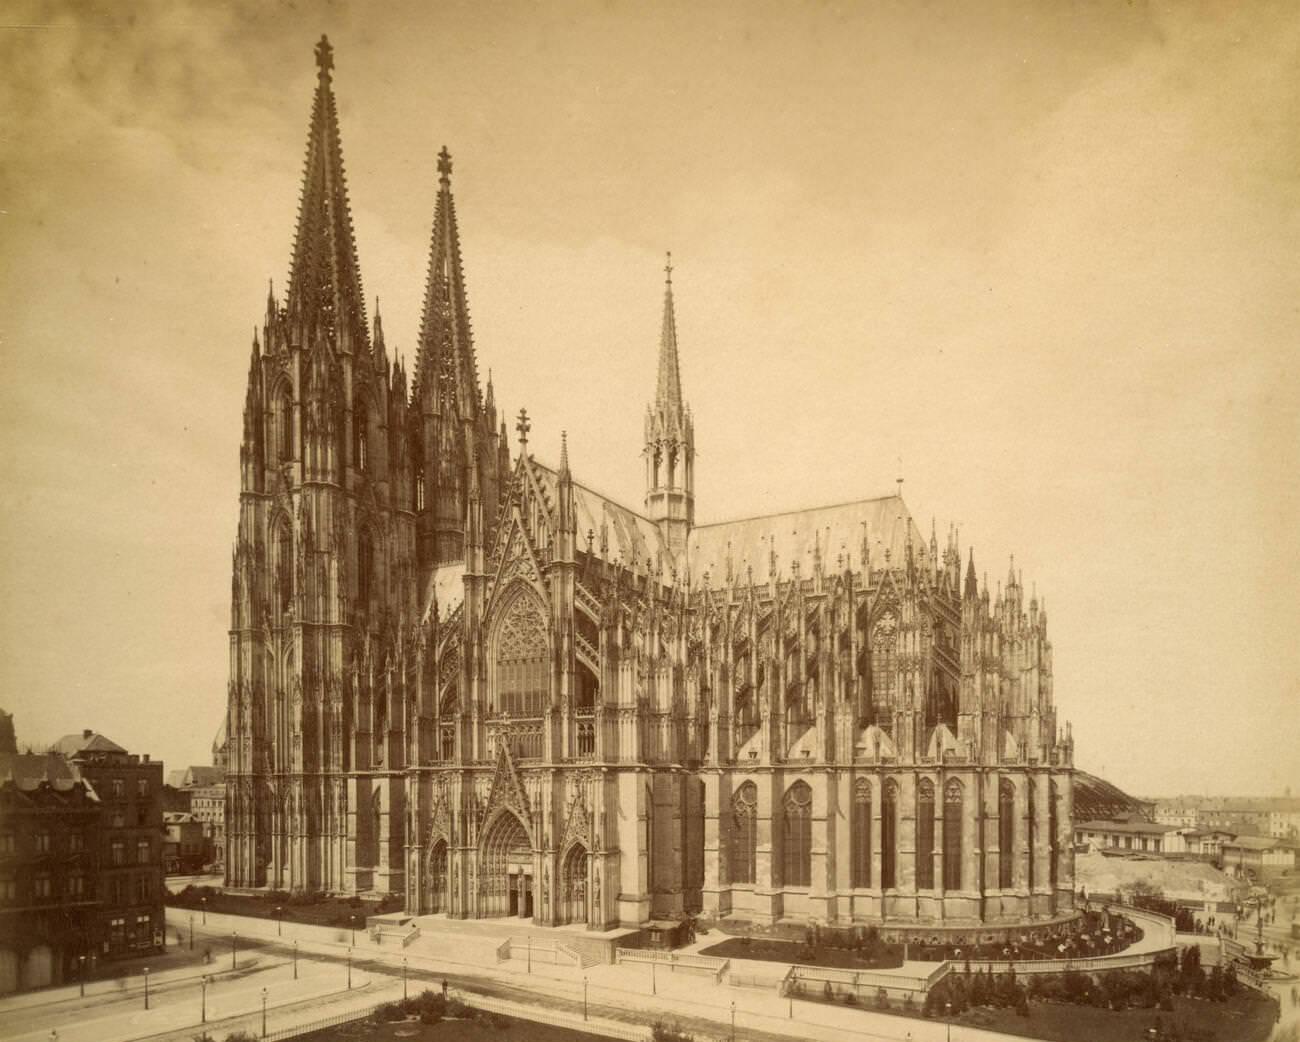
[87, 733]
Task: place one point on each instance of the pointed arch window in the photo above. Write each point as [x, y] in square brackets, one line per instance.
[1053, 845]
[743, 847]
[365, 569]
[1006, 833]
[889, 835]
[952, 822]
[283, 569]
[796, 836]
[861, 832]
[925, 835]
[284, 425]
[360, 434]
[884, 665]
[522, 659]
[419, 489]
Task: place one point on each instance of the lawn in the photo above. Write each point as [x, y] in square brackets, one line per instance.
[879, 956]
[1247, 1017]
[316, 909]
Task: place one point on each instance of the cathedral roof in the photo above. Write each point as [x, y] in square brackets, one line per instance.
[628, 535]
[883, 523]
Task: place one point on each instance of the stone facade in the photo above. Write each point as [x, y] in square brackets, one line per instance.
[472, 680]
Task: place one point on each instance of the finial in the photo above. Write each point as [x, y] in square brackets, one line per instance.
[523, 427]
[668, 269]
[564, 452]
[444, 166]
[324, 57]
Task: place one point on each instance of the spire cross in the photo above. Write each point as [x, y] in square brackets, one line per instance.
[324, 56]
[668, 268]
[444, 166]
[523, 426]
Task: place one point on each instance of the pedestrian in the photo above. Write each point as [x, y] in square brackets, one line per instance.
[444, 989]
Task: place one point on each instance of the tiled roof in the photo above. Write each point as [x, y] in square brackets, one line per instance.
[1131, 827]
[71, 744]
[29, 771]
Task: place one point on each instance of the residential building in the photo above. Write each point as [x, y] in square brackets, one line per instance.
[130, 881]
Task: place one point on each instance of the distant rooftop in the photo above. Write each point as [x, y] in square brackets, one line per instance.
[86, 742]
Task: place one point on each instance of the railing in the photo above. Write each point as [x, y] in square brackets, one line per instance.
[538, 951]
[707, 964]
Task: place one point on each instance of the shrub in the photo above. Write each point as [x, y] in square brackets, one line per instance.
[241, 1036]
[882, 999]
[909, 1004]
[390, 1011]
[850, 999]
[496, 1021]
[661, 1032]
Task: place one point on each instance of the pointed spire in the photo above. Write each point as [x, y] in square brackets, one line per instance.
[445, 360]
[668, 393]
[972, 586]
[564, 454]
[324, 275]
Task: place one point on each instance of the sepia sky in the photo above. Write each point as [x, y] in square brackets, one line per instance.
[1041, 257]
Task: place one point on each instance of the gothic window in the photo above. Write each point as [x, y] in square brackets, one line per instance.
[1006, 832]
[360, 434]
[742, 854]
[283, 567]
[1054, 852]
[860, 829]
[889, 835]
[925, 835]
[381, 728]
[952, 801]
[884, 663]
[365, 569]
[284, 425]
[796, 836]
[522, 659]
[419, 489]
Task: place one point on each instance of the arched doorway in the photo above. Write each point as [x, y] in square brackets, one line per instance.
[438, 877]
[506, 869]
[573, 886]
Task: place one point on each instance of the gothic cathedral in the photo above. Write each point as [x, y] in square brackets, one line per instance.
[469, 679]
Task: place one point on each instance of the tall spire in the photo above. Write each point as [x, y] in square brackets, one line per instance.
[668, 395]
[445, 359]
[324, 276]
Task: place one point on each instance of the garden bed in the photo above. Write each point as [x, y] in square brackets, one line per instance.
[875, 956]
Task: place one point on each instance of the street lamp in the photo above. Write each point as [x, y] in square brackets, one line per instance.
[349, 969]
[584, 998]
[146, 987]
[403, 978]
[264, 1013]
[947, 1009]
[733, 1022]
[191, 931]
[234, 943]
[353, 920]
[81, 972]
[203, 903]
[203, 1009]
[295, 960]
[279, 921]
[654, 984]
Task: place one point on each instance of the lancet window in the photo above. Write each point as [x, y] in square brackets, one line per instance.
[861, 832]
[889, 835]
[360, 434]
[796, 836]
[925, 835]
[952, 805]
[743, 852]
[1006, 833]
[884, 664]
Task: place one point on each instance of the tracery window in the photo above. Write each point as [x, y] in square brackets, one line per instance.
[284, 426]
[952, 806]
[743, 848]
[360, 434]
[419, 490]
[522, 659]
[861, 831]
[1053, 846]
[925, 835]
[884, 663]
[796, 836]
[1006, 833]
[889, 835]
[283, 567]
[365, 569]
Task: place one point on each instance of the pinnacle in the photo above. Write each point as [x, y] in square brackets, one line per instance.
[668, 394]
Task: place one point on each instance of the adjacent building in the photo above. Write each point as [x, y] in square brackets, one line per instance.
[49, 853]
[466, 677]
[1259, 858]
[130, 856]
[185, 845]
[1128, 833]
[202, 790]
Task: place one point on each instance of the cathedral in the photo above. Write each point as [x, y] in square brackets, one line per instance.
[459, 674]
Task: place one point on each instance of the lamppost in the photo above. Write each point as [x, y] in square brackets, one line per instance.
[191, 931]
[295, 960]
[264, 1013]
[234, 943]
[947, 1009]
[81, 973]
[349, 969]
[146, 987]
[654, 984]
[353, 920]
[279, 921]
[584, 998]
[733, 1022]
[403, 978]
[203, 1009]
[203, 903]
